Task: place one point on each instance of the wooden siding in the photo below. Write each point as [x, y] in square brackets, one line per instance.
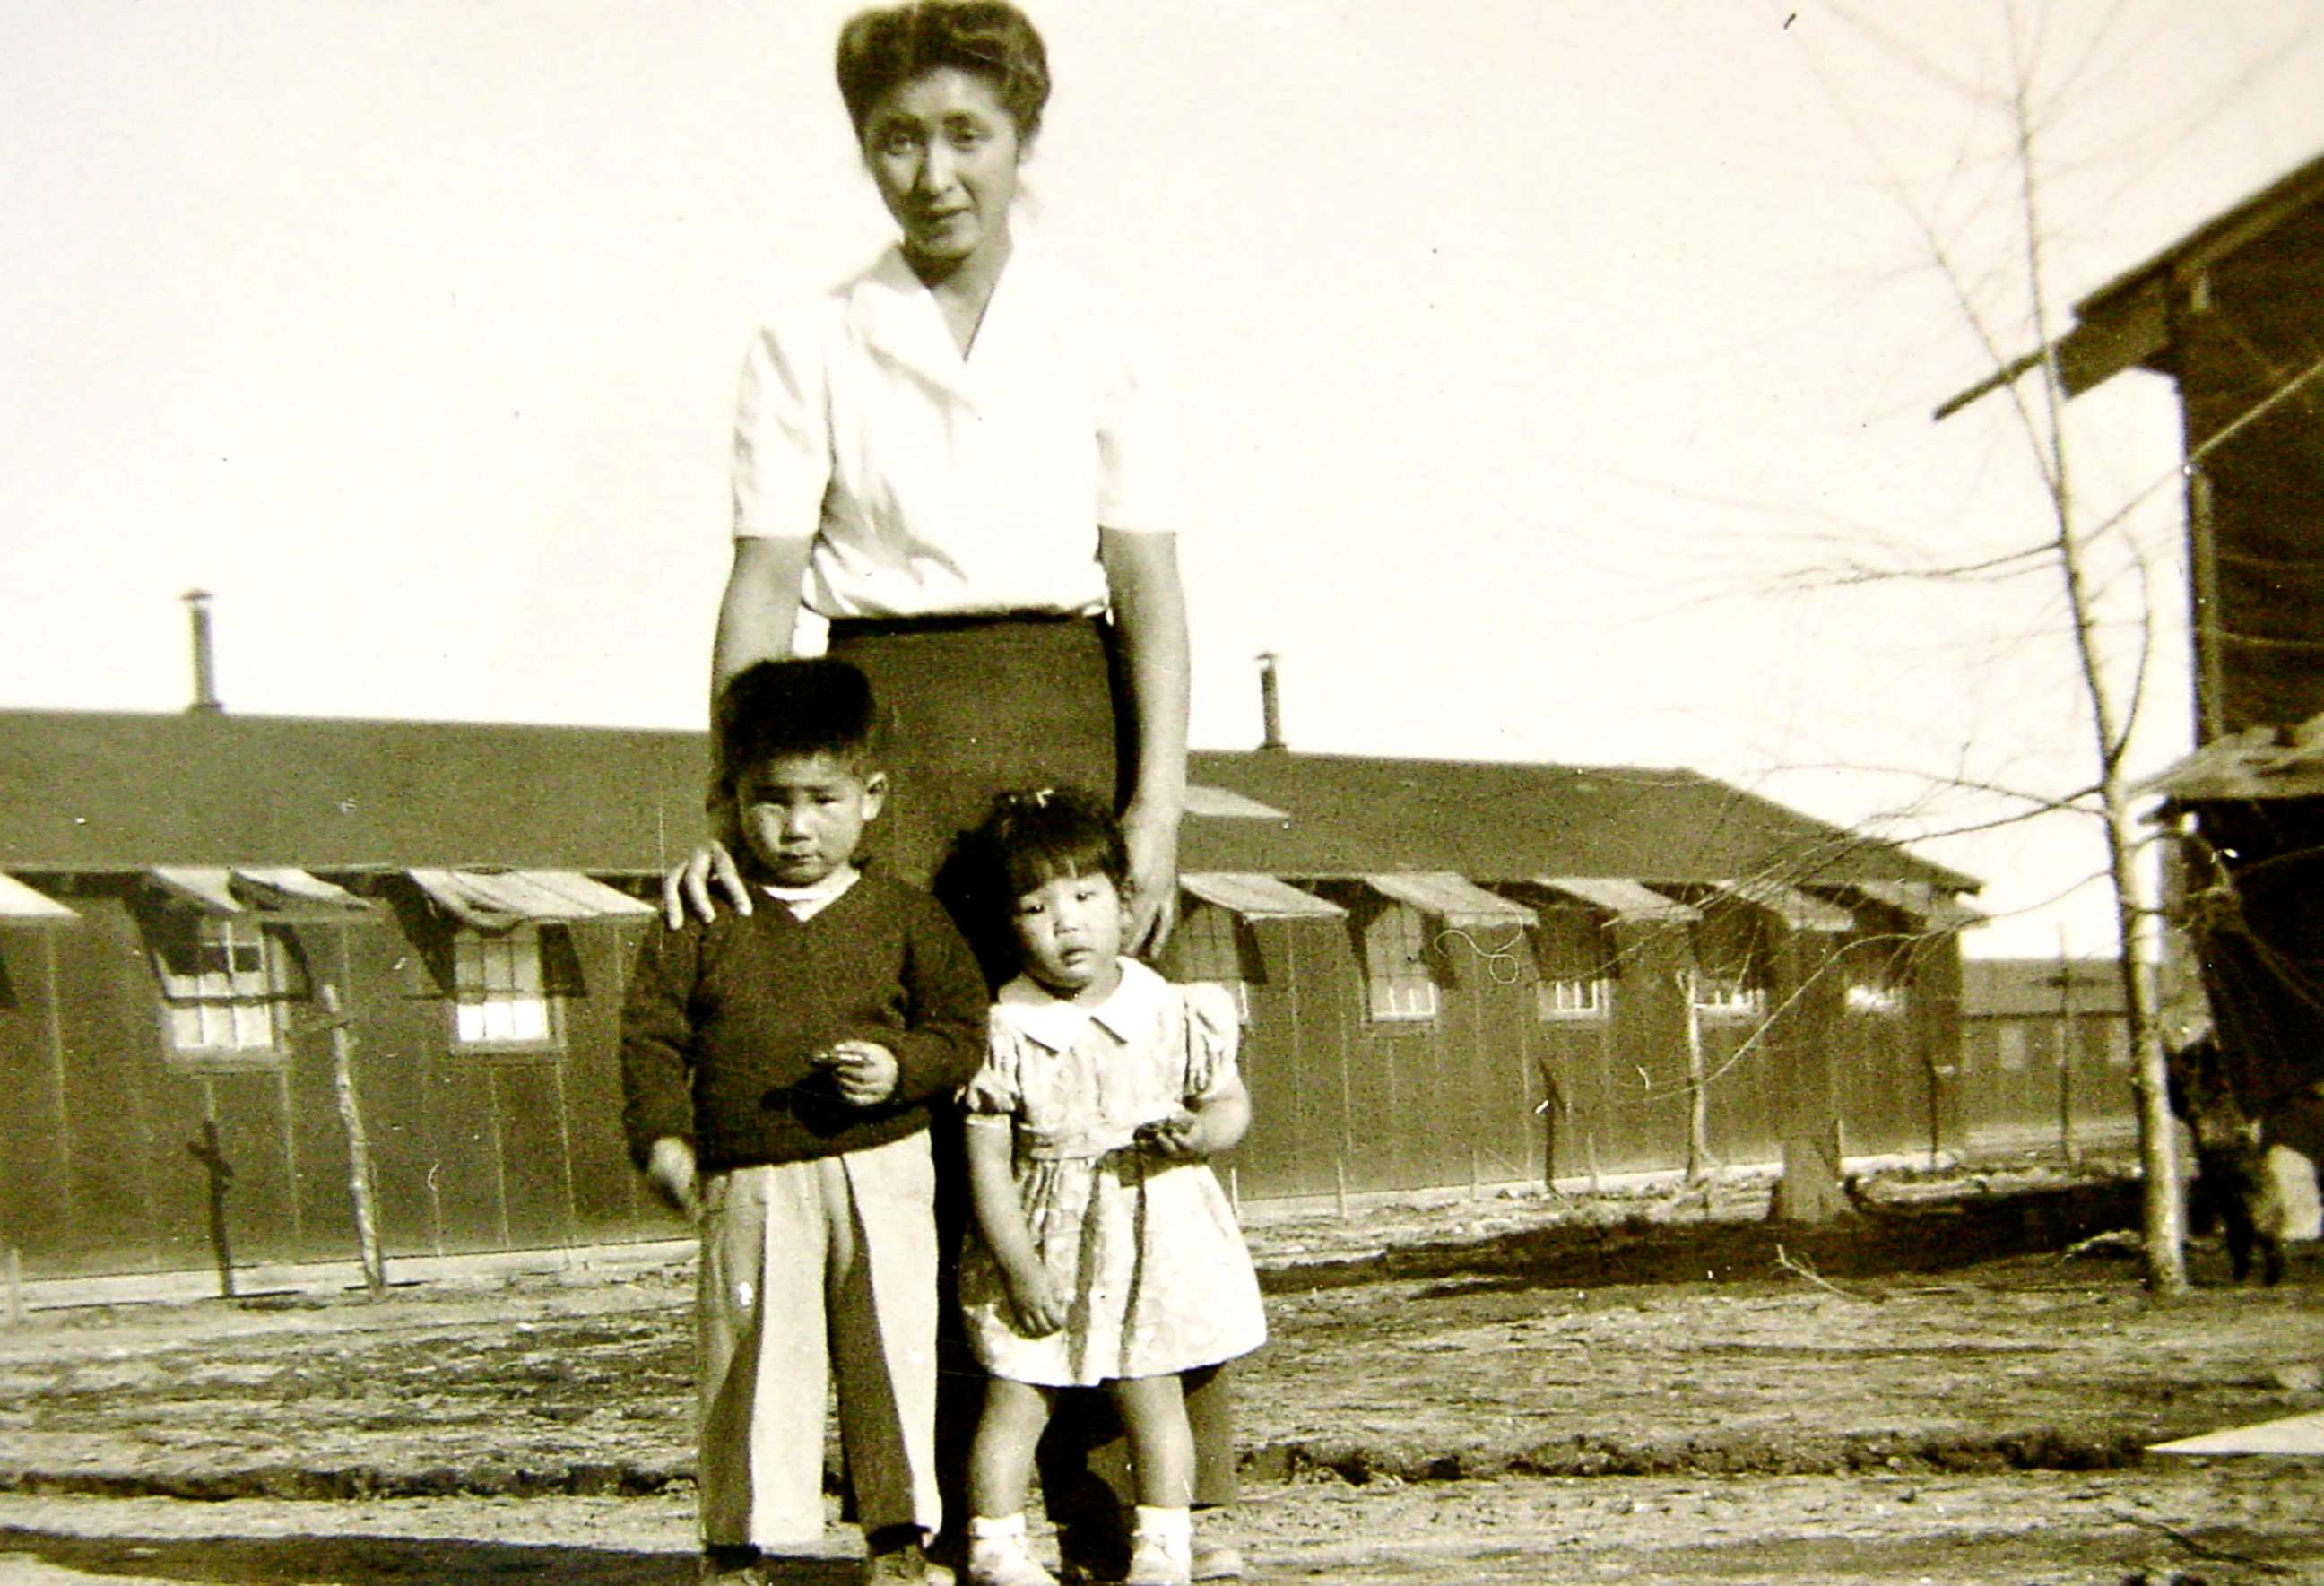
[103, 1169]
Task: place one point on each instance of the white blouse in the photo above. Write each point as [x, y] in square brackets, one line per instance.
[933, 483]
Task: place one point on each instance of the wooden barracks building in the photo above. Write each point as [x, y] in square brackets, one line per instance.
[233, 946]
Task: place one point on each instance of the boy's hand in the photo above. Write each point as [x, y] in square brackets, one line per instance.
[1178, 1138]
[863, 1073]
[687, 885]
[1039, 1308]
[669, 1168]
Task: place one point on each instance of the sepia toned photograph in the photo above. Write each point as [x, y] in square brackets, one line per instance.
[1000, 792]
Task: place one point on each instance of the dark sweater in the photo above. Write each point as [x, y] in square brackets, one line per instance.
[721, 1020]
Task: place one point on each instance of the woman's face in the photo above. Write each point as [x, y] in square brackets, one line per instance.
[943, 154]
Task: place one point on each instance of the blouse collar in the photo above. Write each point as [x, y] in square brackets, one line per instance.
[1057, 1024]
[896, 315]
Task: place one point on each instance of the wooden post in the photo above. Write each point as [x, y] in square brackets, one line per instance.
[359, 1185]
[1339, 1168]
[211, 1155]
[1697, 1086]
[15, 1287]
[2065, 1049]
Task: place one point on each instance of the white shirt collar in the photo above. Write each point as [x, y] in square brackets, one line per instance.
[807, 902]
[1057, 1024]
[896, 315]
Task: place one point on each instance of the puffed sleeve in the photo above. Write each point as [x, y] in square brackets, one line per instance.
[1139, 449]
[992, 1094]
[782, 430]
[1213, 1033]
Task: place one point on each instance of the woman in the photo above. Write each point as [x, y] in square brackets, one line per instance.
[951, 458]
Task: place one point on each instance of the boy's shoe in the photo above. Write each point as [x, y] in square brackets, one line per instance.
[1002, 1561]
[1219, 1561]
[1159, 1561]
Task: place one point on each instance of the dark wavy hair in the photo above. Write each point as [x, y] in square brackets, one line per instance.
[775, 709]
[1032, 837]
[882, 49]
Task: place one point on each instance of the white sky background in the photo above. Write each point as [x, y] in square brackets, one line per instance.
[1530, 350]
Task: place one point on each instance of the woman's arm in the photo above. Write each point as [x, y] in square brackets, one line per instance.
[1149, 615]
[755, 619]
[1001, 1219]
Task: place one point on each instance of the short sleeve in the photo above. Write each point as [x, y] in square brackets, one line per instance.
[1142, 464]
[1213, 1034]
[993, 1090]
[782, 431]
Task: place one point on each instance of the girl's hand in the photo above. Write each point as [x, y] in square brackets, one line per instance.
[863, 1073]
[1036, 1307]
[1179, 1137]
[688, 885]
[1153, 840]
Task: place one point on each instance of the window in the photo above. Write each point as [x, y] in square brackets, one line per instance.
[1884, 1001]
[2009, 1045]
[1212, 946]
[225, 981]
[498, 998]
[1720, 996]
[1574, 998]
[1576, 956]
[1396, 965]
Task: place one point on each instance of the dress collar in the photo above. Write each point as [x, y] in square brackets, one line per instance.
[1057, 1024]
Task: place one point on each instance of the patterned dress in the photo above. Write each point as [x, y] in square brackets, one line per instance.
[1146, 1251]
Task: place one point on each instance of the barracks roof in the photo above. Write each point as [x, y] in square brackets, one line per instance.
[85, 791]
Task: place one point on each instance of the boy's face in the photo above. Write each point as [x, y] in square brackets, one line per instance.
[804, 814]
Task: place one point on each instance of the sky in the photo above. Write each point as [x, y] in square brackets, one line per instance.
[1542, 363]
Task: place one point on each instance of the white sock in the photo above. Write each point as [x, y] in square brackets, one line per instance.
[984, 1527]
[1170, 1525]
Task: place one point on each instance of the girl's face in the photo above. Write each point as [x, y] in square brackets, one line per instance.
[943, 154]
[1071, 929]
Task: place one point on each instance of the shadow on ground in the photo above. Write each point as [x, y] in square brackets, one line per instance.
[1877, 1241]
[373, 1561]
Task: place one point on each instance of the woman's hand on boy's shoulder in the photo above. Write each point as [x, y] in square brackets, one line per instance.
[687, 888]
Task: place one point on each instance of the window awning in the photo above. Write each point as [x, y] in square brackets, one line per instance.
[501, 899]
[1939, 911]
[276, 891]
[1226, 804]
[1623, 899]
[1454, 899]
[1795, 907]
[1257, 896]
[22, 906]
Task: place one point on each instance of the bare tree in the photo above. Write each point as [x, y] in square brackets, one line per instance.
[2107, 584]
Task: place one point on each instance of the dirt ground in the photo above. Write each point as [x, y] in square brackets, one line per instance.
[1656, 1387]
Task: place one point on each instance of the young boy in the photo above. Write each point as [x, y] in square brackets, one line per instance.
[775, 1068]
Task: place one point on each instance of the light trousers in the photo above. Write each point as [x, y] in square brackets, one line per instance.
[814, 1272]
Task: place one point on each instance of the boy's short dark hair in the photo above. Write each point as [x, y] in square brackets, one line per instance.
[881, 48]
[773, 709]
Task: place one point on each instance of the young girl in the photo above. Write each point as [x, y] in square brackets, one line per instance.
[1107, 1253]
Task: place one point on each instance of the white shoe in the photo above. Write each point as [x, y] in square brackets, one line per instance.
[1002, 1561]
[1159, 1560]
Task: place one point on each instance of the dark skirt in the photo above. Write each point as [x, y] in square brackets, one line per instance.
[971, 707]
